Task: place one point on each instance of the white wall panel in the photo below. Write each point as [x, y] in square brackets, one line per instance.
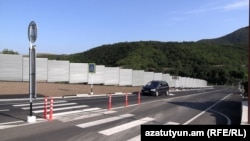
[171, 82]
[184, 82]
[41, 69]
[125, 77]
[148, 76]
[58, 71]
[111, 76]
[137, 78]
[26, 69]
[157, 76]
[78, 73]
[98, 76]
[11, 68]
[178, 82]
[166, 77]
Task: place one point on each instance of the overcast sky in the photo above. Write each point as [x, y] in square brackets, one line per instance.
[72, 26]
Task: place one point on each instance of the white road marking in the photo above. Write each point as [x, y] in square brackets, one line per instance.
[22, 124]
[41, 103]
[125, 126]
[4, 110]
[55, 105]
[228, 119]
[136, 138]
[82, 115]
[201, 113]
[63, 108]
[102, 121]
[172, 123]
[76, 111]
[13, 122]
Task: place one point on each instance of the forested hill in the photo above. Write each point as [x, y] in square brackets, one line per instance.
[220, 61]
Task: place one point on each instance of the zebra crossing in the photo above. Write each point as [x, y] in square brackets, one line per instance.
[64, 111]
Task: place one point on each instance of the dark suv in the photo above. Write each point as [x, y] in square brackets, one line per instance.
[155, 88]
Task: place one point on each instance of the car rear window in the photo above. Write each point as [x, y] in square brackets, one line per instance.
[153, 83]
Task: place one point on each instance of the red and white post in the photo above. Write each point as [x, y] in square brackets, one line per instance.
[110, 102]
[45, 108]
[51, 109]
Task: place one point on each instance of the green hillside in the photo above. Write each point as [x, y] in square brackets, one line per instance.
[219, 61]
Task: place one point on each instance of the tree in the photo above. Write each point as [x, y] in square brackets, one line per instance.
[7, 51]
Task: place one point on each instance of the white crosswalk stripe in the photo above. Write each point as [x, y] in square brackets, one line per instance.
[39, 103]
[82, 115]
[172, 123]
[63, 108]
[76, 111]
[102, 121]
[57, 105]
[18, 123]
[125, 126]
[136, 138]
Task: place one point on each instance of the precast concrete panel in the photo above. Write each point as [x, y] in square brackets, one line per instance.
[26, 69]
[41, 69]
[11, 67]
[125, 77]
[157, 76]
[184, 82]
[178, 82]
[58, 71]
[166, 77]
[111, 76]
[98, 76]
[171, 82]
[188, 82]
[137, 78]
[148, 76]
[78, 73]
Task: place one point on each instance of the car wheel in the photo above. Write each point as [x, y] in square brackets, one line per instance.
[156, 93]
[167, 93]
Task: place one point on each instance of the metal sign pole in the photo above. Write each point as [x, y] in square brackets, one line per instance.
[32, 35]
[30, 77]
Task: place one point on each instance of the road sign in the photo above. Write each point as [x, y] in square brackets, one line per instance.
[32, 32]
[92, 68]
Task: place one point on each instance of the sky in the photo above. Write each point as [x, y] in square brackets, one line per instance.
[73, 26]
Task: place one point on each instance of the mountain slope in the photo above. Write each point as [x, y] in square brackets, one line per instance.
[240, 36]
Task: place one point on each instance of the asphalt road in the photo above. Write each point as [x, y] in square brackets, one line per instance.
[91, 118]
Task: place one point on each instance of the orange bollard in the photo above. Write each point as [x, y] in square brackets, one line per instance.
[126, 100]
[51, 109]
[109, 102]
[45, 108]
[139, 98]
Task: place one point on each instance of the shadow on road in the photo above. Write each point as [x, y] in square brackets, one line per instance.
[225, 112]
